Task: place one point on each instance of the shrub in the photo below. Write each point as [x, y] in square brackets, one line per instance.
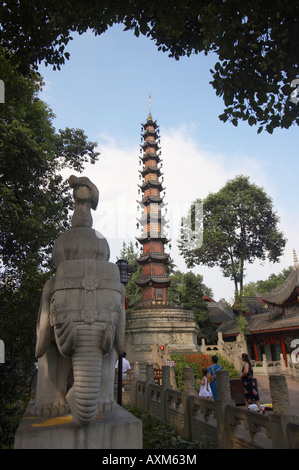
[198, 361]
[159, 435]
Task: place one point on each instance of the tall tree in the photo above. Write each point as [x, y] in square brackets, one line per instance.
[35, 203]
[133, 291]
[33, 196]
[256, 44]
[239, 226]
[187, 290]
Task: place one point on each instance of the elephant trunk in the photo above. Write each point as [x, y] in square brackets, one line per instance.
[87, 362]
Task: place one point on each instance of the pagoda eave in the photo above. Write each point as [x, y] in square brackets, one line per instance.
[150, 156]
[151, 280]
[150, 122]
[148, 143]
[149, 199]
[148, 238]
[151, 169]
[155, 257]
[152, 183]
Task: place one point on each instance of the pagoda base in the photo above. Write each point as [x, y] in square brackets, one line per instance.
[152, 334]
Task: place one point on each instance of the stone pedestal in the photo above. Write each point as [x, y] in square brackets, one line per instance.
[149, 328]
[116, 429]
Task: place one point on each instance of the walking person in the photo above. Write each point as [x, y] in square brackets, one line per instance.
[250, 391]
[205, 389]
[212, 376]
[126, 368]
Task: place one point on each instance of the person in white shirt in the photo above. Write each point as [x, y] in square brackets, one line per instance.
[126, 368]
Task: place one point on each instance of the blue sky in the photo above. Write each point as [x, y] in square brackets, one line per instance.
[104, 89]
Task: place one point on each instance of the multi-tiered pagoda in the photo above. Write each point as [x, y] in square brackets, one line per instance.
[156, 327]
[153, 259]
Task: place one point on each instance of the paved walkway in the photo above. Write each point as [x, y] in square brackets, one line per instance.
[265, 397]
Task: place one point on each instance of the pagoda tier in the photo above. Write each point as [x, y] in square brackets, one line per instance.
[153, 260]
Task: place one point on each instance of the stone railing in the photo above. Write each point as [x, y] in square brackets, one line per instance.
[231, 351]
[221, 422]
[293, 369]
[265, 367]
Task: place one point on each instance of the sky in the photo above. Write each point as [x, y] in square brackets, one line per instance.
[104, 89]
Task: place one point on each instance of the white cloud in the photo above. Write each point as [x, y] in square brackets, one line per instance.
[190, 172]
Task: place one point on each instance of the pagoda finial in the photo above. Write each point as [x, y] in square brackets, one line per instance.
[296, 264]
[150, 108]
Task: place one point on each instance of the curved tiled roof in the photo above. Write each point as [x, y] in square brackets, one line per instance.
[264, 322]
[284, 292]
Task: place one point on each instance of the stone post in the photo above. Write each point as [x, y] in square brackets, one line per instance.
[189, 389]
[223, 386]
[166, 384]
[135, 377]
[224, 431]
[149, 374]
[166, 377]
[149, 379]
[279, 394]
[281, 412]
[283, 366]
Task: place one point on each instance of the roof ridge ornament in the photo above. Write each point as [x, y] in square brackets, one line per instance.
[296, 264]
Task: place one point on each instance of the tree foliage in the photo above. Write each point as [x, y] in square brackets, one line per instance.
[133, 291]
[239, 225]
[256, 43]
[33, 196]
[273, 281]
[187, 290]
[35, 203]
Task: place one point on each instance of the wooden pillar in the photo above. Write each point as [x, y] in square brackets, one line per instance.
[256, 354]
[284, 350]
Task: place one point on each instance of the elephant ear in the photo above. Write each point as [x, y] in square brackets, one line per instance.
[65, 335]
[108, 337]
[44, 330]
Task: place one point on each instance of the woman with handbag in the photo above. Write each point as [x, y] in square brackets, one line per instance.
[212, 376]
[250, 391]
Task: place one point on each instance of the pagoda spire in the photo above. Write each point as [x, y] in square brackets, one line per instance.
[150, 108]
[154, 281]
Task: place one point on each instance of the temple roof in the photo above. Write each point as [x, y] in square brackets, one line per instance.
[274, 320]
[219, 313]
[253, 306]
[286, 292]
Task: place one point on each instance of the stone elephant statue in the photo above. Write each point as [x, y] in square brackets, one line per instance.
[79, 329]
[81, 322]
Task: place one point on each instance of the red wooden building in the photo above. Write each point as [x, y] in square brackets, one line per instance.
[273, 320]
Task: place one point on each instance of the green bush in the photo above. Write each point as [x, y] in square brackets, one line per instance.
[198, 361]
[159, 435]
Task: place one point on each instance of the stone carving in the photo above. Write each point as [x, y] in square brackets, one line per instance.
[81, 319]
